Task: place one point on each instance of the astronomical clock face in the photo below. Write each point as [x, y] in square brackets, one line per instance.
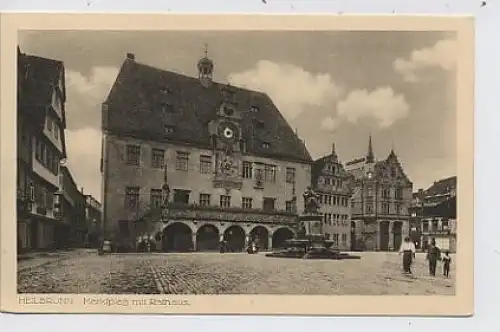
[228, 132]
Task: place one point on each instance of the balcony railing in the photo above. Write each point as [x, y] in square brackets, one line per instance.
[210, 212]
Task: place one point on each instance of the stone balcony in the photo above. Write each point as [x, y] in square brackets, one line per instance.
[179, 211]
[233, 214]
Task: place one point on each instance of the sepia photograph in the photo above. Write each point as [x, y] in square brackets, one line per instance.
[239, 162]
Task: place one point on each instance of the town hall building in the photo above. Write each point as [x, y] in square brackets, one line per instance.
[224, 157]
[382, 194]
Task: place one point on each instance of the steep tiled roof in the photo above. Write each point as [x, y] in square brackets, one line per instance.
[134, 107]
[38, 75]
[442, 187]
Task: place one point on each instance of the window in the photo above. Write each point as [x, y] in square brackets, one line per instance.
[247, 170]
[266, 145]
[444, 225]
[156, 198]
[132, 197]
[336, 239]
[166, 108]
[344, 239]
[289, 206]
[225, 201]
[133, 154]
[434, 225]
[330, 200]
[327, 181]
[270, 173]
[254, 109]
[169, 129]
[425, 226]
[49, 198]
[181, 163]
[157, 158]
[124, 228]
[268, 204]
[369, 208]
[394, 172]
[370, 192]
[247, 202]
[56, 131]
[399, 193]
[181, 196]
[398, 208]
[328, 236]
[204, 199]
[386, 193]
[49, 124]
[385, 208]
[290, 175]
[205, 164]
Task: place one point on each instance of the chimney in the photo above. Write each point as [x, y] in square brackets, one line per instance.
[81, 190]
[131, 56]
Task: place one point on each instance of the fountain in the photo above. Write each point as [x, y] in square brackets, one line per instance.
[310, 242]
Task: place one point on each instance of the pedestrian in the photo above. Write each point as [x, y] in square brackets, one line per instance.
[408, 250]
[446, 264]
[433, 255]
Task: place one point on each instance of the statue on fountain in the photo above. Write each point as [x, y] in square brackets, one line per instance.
[311, 201]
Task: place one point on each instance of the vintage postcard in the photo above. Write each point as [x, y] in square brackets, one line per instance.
[237, 164]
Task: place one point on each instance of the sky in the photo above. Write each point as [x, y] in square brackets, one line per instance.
[332, 87]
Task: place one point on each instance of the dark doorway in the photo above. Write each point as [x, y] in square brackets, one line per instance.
[280, 236]
[354, 245]
[207, 238]
[34, 230]
[397, 232]
[260, 236]
[235, 238]
[384, 236]
[177, 237]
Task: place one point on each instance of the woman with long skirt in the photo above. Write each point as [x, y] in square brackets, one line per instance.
[408, 250]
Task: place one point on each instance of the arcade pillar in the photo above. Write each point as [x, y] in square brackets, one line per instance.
[391, 236]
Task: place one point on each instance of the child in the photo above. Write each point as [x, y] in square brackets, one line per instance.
[446, 264]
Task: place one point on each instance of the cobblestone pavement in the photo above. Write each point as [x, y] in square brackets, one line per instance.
[214, 273]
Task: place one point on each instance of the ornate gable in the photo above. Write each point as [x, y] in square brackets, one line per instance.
[390, 170]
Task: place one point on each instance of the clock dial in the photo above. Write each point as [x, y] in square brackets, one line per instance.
[228, 131]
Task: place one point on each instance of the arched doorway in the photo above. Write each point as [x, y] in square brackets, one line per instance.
[384, 235]
[207, 238]
[397, 232]
[235, 238]
[261, 237]
[177, 237]
[280, 236]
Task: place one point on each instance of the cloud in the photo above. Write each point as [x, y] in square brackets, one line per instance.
[291, 88]
[381, 104]
[329, 123]
[86, 94]
[83, 135]
[84, 155]
[442, 55]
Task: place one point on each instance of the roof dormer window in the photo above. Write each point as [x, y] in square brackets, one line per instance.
[266, 145]
[254, 109]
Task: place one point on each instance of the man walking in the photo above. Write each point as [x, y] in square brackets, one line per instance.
[433, 255]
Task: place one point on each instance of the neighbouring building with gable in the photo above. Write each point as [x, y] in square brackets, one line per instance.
[332, 182]
[41, 122]
[235, 169]
[434, 215]
[382, 194]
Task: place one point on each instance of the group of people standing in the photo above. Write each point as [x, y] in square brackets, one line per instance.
[408, 251]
